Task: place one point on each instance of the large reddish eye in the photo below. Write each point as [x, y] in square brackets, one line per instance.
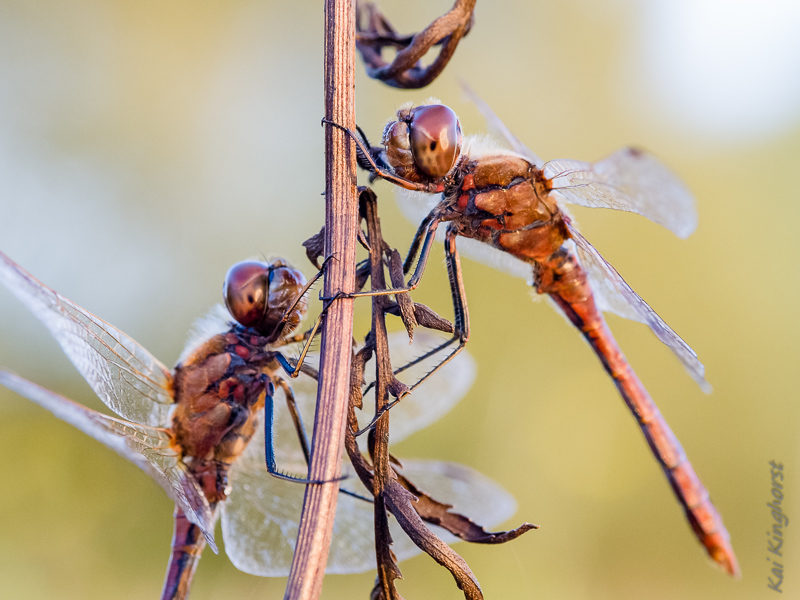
[246, 291]
[435, 135]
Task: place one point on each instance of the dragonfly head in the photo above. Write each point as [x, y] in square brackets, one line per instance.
[424, 143]
[258, 295]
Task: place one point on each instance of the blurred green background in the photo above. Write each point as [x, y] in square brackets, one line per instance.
[145, 146]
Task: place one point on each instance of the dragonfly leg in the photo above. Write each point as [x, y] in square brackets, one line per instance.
[461, 322]
[367, 161]
[308, 337]
[269, 435]
[422, 243]
[303, 437]
[461, 313]
[288, 312]
[294, 370]
[291, 404]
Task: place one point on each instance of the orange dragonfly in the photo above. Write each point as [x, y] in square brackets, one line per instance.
[189, 428]
[513, 202]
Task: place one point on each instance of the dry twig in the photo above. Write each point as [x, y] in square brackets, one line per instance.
[406, 71]
[393, 492]
[341, 224]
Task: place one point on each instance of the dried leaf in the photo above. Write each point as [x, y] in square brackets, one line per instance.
[403, 300]
[374, 33]
[438, 513]
[315, 247]
[401, 503]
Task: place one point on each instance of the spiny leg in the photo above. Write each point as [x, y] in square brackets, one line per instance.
[291, 404]
[369, 164]
[461, 321]
[288, 312]
[424, 238]
[294, 370]
[458, 295]
[422, 244]
[269, 436]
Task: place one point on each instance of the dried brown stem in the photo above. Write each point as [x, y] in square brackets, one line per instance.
[341, 225]
[410, 505]
[388, 570]
[400, 501]
[376, 33]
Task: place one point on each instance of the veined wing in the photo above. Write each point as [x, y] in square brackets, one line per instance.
[630, 179]
[496, 125]
[149, 448]
[260, 518]
[434, 398]
[620, 298]
[130, 380]
[428, 403]
[611, 292]
[260, 523]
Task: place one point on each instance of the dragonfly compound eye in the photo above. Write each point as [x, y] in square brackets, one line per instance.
[435, 136]
[285, 287]
[246, 291]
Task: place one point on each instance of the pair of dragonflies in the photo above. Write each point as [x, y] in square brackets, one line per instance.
[509, 201]
[190, 429]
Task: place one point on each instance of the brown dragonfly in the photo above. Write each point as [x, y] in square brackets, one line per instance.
[189, 428]
[513, 202]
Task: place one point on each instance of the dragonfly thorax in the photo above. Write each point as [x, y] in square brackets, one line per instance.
[500, 199]
[219, 391]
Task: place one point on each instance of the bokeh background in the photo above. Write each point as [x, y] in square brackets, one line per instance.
[146, 146]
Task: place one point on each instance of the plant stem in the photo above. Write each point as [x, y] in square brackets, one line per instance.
[341, 225]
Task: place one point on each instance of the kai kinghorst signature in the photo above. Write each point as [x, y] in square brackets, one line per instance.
[775, 535]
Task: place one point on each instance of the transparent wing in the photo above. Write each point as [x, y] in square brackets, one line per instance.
[260, 522]
[130, 380]
[426, 405]
[616, 295]
[611, 292]
[260, 518]
[435, 397]
[631, 180]
[498, 127]
[147, 447]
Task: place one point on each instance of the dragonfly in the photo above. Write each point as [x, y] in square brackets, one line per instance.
[511, 203]
[189, 429]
